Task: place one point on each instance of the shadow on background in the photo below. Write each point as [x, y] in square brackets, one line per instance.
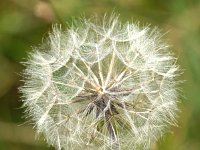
[23, 23]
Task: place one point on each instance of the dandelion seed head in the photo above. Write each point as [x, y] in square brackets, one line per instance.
[101, 86]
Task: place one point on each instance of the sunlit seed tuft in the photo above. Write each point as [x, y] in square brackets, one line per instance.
[102, 86]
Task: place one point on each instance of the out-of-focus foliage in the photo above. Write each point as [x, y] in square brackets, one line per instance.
[23, 23]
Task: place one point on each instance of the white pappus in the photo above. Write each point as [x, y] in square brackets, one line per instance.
[101, 85]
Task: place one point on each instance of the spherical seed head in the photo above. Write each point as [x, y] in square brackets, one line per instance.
[101, 86]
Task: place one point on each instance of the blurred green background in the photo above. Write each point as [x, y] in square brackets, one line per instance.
[24, 23]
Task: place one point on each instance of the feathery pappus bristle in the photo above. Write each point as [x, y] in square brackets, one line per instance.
[101, 86]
